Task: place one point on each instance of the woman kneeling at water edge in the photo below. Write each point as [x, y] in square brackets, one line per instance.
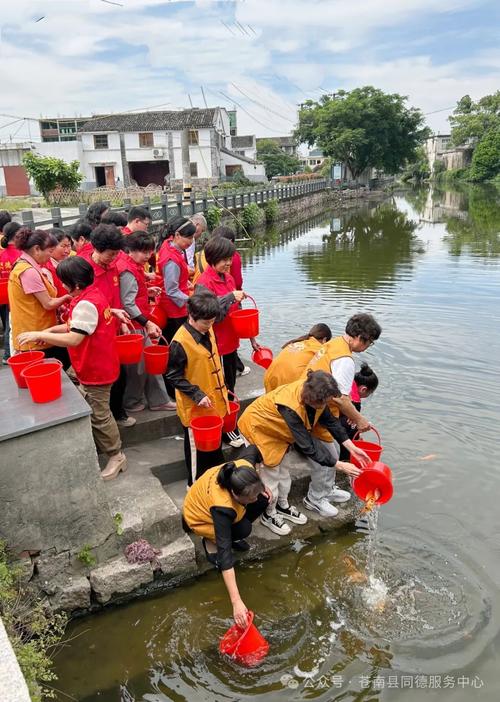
[221, 507]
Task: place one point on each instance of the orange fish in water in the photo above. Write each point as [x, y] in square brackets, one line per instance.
[371, 501]
[429, 457]
[353, 574]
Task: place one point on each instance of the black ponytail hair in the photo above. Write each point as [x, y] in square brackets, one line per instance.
[9, 232]
[367, 377]
[242, 481]
[318, 331]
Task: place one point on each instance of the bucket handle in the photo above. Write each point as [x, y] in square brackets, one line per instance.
[249, 297]
[358, 433]
[156, 341]
[235, 396]
[250, 616]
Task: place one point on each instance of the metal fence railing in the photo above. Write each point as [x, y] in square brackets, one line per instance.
[169, 205]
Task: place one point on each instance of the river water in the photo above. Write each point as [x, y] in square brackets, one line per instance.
[427, 266]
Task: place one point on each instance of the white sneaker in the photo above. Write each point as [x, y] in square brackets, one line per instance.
[275, 524]
[126, 422]
[338, 495]
[324, 508]
[292, 514]
[235, 439]
[246, 370]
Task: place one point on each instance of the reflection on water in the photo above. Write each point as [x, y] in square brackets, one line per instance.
[435, 565]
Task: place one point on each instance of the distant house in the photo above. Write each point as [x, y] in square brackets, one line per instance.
[314, 159]
[148, 145]
[54, 129]
[287, 143]
[434, 147]
[440, 148]
[141, 148]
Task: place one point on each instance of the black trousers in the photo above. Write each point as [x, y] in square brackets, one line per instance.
[116, 395]
[243, 528]
[173, 324]
[60, 354]
[239, 364]
[197, 462]
[229, 364]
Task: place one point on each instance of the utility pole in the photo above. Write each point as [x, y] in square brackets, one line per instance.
[186, 169]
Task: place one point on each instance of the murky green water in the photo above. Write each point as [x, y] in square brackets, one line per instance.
[427, 265]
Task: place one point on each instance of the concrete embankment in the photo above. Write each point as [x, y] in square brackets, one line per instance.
[69, 529]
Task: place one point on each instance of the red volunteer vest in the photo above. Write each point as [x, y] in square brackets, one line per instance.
[55, 278]
[95, 360]
[8, 257]
[227, 340]
[126, 263]
[169, 252]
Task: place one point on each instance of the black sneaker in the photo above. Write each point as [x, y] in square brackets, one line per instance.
[292, 514]
[275, 524]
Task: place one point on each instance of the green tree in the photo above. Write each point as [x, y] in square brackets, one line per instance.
[472, 120]
[486, 158]
[275, 160]
[419, 169]
[50, 173]
[363, 128]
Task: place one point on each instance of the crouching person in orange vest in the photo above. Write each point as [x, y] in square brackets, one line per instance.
[221, 507]
[195, 371]
[89, 336]
[287, 417]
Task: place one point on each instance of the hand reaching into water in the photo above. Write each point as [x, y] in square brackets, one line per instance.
[348, 468]
[240, 613]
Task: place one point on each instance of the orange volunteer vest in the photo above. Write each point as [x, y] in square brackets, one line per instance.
[262, 424]
[289, 364]
[26, 313]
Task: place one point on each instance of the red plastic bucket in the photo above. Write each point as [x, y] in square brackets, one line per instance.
[263, 357]
[231, 418]
[374, 451]
[207, 431]
[245, 322]
[377, 477]
[44, 380]
[158, 316]
[21, 361]
[129, 347]
[156, 358]
[247, 646]
[4, 295]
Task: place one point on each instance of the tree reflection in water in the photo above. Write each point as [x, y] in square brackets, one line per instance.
[369, 249]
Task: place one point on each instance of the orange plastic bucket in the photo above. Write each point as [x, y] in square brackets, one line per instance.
[231, 418]
[378, 476]
[21, 361]
[263, 357]
[245, 322]
[374, 451]
[129, 347]
[156, 358]
[247, 646]
[207, 432]
[4, 295]
[44, 380]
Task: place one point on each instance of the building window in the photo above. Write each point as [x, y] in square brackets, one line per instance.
[146, 140]
[194, 138]
[100, 141]
[193, 169]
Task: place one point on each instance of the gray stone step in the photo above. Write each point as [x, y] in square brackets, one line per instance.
[155, 425]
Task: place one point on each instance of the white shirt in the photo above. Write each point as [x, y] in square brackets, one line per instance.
[190, 254]
[343, 370]
[84, 317]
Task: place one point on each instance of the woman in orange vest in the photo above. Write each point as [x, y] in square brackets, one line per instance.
[221, 507]
[335, 357]
[286, 417]
[32, 297]
[90, 337]
[289, 364]
[195, 371]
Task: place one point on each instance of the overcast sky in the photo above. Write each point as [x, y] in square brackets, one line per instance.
[90, 56]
